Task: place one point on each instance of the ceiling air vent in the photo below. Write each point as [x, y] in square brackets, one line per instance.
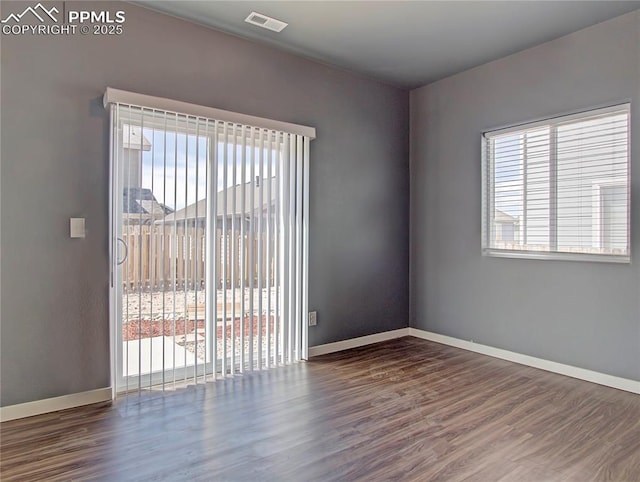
[265, 22]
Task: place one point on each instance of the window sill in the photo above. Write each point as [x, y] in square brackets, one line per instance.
[598, 258]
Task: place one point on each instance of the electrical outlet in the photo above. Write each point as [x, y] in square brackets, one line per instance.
[313, 318]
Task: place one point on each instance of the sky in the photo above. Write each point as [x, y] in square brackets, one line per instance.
[508, 175]
[181, 161]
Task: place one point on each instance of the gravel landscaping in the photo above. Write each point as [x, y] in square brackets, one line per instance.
[167, 305]
[165, 313]
[189, 334]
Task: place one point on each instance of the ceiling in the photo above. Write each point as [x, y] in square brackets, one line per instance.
[404, 43]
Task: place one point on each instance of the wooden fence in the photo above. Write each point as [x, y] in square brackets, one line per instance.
[160, 258]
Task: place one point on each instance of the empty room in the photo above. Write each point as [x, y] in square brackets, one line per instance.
[320, 240]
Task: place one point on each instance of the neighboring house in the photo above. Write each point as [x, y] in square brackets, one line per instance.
[133, 144]
[141, 207]
[235, 214]
[507, 227]
[579, 197]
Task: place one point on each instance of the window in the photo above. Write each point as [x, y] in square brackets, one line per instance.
[209, 242]
[559, 188]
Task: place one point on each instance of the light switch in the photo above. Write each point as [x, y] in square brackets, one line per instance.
[76, 227]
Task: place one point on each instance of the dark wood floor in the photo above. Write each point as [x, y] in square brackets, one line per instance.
[401, 410]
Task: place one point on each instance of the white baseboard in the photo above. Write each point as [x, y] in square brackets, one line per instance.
[29, 409]
[356, 342]
[625, 384]
[64, 402]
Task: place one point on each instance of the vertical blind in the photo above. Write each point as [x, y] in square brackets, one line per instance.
[209, 222]
[559, 188]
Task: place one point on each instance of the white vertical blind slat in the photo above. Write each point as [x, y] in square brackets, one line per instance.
[126, 184]
[165, 250]
[252, 193]
[150, 260]
[225, 249]
[269, 246]
[305, 250]
[234, 254]
[115, 305]
[276, 263]
[174, 253]
[139, 259]
[185, 253]
[243, 245]
[214, 248]
[196, 253]
[260, 188]
[300, 317]
[291, 250]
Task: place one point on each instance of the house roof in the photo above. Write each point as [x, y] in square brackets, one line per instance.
[502, 217]
[136, 200]
[199, 210]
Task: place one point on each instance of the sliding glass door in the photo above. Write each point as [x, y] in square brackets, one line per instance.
[208, 247]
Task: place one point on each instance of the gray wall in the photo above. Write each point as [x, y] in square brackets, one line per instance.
[580, 313]
[54, 333]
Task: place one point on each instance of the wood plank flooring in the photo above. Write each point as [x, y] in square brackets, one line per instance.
[407, 409]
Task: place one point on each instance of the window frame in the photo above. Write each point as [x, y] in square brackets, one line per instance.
[488, 188]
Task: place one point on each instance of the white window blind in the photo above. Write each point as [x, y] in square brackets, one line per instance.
[559, 188]
[209, 242]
